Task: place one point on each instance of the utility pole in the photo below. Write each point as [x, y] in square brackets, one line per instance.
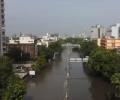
[67, 77]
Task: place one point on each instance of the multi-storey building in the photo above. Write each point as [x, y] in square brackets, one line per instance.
[25, 43]
[109, 43]
[97, 31]
[48, 39]
[115, 31]
[2, 29]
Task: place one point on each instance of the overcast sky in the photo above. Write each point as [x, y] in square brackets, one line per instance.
[62, 16]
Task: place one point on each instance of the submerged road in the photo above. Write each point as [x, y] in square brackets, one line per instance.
[50, 84]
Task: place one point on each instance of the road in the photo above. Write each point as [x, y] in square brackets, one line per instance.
[50, 83]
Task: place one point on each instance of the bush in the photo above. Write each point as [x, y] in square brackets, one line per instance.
[15, 90]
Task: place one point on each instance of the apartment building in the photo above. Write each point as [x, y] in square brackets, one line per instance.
[115, 31]
[25, 44]
[97, 31]
[47, 39]
[109, 43]
[2, 29]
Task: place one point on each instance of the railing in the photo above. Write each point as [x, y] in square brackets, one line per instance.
[78, 59]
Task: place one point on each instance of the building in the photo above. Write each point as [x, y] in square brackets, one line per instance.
[28, 49]
[22, 40]
[2, 29]
[115, 31]
[99, 42]
[110, 43]
[25, 43]
[47, 39]
[97, 31]
[82, 35]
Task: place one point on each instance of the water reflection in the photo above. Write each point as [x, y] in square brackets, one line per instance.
[49, 84]
[28, 98]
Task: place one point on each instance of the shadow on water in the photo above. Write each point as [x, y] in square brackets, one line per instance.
[99, 88]
[41, 76]
[28, 98]
[49, 83]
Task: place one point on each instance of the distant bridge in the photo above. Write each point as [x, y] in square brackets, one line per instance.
[71, 45]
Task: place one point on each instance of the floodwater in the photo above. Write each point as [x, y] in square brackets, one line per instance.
[50, 83]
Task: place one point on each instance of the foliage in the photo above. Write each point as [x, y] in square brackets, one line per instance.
[5, 72]
[11, 88]
[74, 40]
[104, 62]
[15, 89]
[115, 80]
[46, 53]
[87, 47]
[55, 47]
[39, 64]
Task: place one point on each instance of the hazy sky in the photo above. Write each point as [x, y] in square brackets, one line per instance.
[64, 16]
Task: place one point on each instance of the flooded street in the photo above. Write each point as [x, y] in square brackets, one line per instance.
[49, 84]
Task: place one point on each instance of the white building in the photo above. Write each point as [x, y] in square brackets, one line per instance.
[82, 35]
[115, 31]
[22, 40]
[26, 39]
[2, 29]
[47, 39]
[97, 31]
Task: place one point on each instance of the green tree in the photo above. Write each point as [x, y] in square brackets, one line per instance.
[74, 40]
[5, 72]
[40, 63]
[87, 47]
[115, 80]
[104, 62]
[15, 90]
[55, 47]
[47, 52]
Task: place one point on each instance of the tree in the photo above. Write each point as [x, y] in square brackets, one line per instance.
[15, 90]
[47, 52]
[5, 72]
[74, 40]
[87, 47]
[40, 63]
[55, 47]
[104, 62]
[115, 80]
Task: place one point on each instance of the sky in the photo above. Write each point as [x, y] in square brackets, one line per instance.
[60, 16]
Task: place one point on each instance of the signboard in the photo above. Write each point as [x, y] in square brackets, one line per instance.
[32, 72]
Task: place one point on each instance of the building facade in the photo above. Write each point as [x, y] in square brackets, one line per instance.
[47, 39]
[28, 49]
[2, 29]
[115, 31]
[97, 31]
[25, 44]
[109, 43]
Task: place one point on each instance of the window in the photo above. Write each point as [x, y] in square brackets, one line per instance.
[3, 22]
[119, 32]
[2, 16]
[4, 44]
[3, 33]
[2, 10]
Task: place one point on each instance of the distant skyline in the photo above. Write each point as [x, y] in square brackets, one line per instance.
[60, 16]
